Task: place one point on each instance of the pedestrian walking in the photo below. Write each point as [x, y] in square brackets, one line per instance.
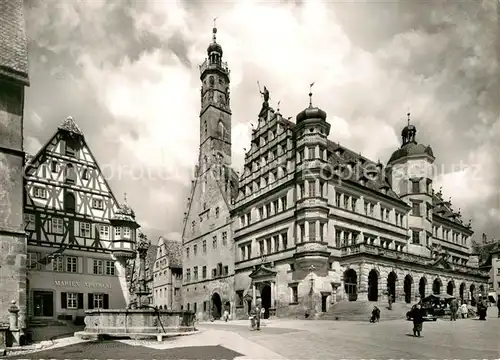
[498, 306]
[418, 320]
[375, 315]
[255, 317]
[464, 309]
[482, 309]
[453, 309]
[226, 315]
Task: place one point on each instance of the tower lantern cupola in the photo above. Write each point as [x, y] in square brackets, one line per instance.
[410, 146]
[214, 50]
[409, 132]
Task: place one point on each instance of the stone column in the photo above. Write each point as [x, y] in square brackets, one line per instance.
[362, 282]
[254, 295]
[273, 291]
[14, 323]
[306, 189]
[306, 231]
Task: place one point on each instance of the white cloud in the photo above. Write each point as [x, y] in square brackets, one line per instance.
[364, 94]
[31, 145]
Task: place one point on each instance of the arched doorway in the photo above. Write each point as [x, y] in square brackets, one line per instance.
[421, 287]
[351, 284]
[450, 289]
[436, 286]
[216, 306]
[407, 288]
[373, 285]
[462, 291]
[266, 300]
[472, 290]
[392, 279]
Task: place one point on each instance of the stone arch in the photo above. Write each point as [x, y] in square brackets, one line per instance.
[461, 291]
[422, 284]
[216, 308]
[436, 286]
[450, 288]
[351, 284]
[408, 284]
[373, 280]
[472, 290]
[392, 280]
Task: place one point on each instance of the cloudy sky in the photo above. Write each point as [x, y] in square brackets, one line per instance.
[127, 71]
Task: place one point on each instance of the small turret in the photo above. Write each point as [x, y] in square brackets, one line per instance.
[124, 234]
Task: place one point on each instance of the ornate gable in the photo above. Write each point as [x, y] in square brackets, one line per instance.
[262, 271]
[443, 264]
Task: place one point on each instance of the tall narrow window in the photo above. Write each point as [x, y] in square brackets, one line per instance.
[70, 174]
[69, 202]
[415, 209]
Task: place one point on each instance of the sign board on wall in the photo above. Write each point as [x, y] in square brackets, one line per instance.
[77, 284]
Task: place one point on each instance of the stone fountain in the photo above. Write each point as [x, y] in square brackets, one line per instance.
[139, 320]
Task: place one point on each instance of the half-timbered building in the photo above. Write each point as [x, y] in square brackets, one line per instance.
[78, 235]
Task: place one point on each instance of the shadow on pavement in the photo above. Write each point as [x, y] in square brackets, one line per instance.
[113, 350]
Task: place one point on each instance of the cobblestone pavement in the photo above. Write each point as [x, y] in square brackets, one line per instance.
[463, 339]
[302, 339]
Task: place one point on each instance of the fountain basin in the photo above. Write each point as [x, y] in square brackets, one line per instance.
[137, 323]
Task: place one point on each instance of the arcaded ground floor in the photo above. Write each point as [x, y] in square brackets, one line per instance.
[285, 290]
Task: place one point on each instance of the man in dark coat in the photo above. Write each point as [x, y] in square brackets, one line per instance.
[418, 320]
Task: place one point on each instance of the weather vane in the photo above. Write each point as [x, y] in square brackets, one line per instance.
[408, 114]
[125, 197]
[310, 93]
[278, 107]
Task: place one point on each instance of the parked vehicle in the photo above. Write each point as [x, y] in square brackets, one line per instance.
[429, 314]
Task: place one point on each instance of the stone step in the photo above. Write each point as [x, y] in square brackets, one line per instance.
[361, 311]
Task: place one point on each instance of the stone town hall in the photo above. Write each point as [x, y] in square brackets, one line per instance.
[310, 223]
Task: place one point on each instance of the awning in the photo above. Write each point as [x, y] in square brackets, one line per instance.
[435, 297]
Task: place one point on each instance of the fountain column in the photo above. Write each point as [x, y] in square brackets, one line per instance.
[141, 287]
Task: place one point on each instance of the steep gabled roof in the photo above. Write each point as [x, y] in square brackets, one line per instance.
[70, 125]
[173, 251]
[377, 182]
[13, 41]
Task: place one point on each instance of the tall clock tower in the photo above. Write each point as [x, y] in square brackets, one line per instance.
[215, 114]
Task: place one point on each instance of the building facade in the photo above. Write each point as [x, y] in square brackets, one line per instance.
[312, 222]
[79, 237]
[167, 275]
[13, 80]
